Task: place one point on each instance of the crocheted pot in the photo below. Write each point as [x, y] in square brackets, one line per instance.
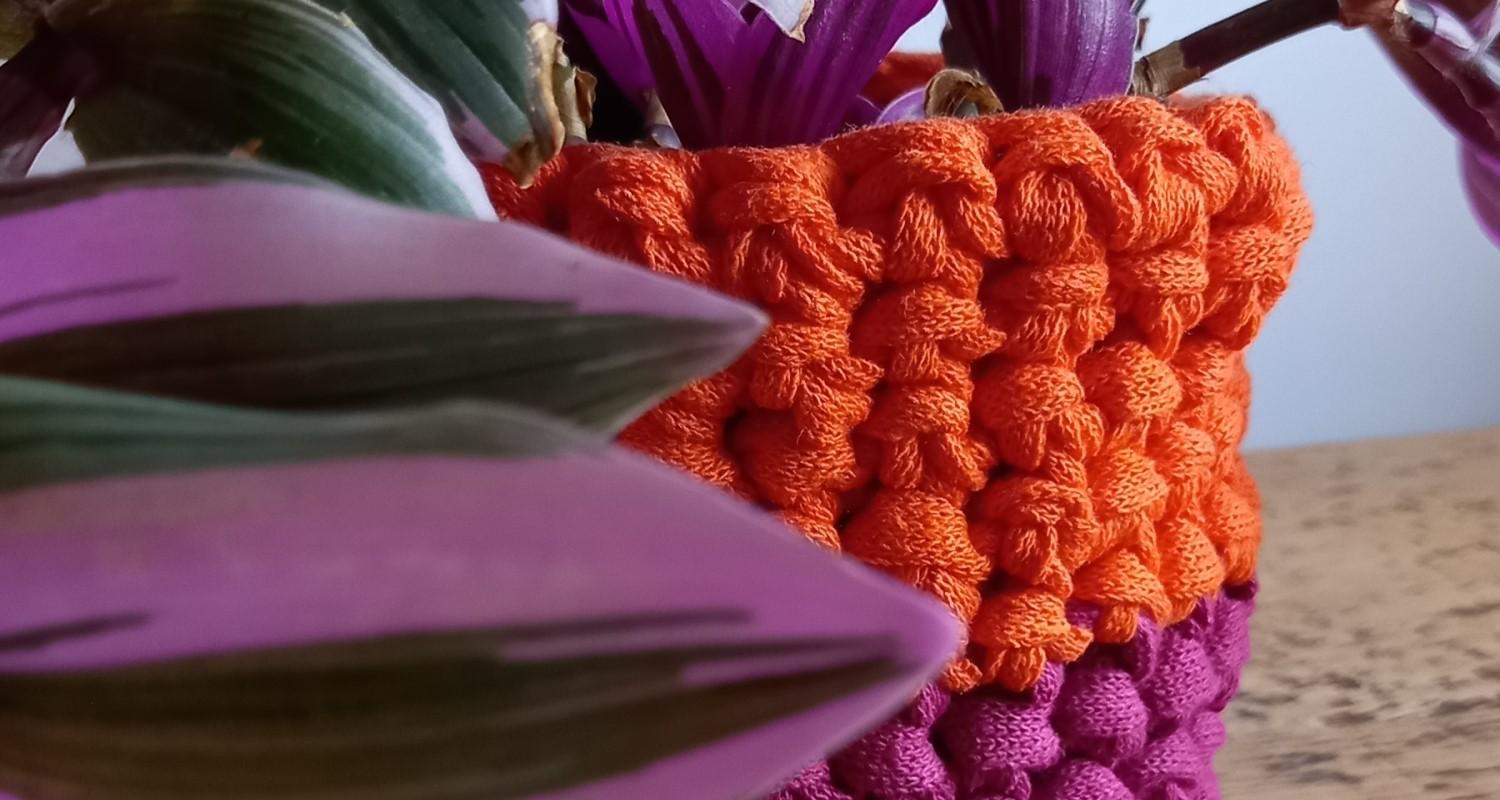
[1005, 365]
[1125, 721]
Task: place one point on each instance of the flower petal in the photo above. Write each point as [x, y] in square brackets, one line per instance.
[435, 612]
[861, 112]
[846, 41]
[1482, 180]
[285, 295]
[1037, 53]
[728, 79]
[618, 117]
[609, 30]
[688, 46]
[909, 106]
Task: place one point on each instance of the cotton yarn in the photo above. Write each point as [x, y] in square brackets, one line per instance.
[1005, 360]
[1125, 722]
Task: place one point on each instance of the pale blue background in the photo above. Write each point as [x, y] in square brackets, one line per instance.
[1392, 325]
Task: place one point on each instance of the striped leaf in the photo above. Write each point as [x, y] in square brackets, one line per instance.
[283, 80]
[581, 622]
[52, 433]
[437, 715]
[487, 65]
[274, 294]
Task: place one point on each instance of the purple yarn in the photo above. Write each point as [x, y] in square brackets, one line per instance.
[1126, 722]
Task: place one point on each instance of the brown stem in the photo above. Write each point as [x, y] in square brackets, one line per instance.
[1187, 60]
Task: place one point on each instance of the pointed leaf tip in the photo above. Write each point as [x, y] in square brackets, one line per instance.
[227, 567]
[58, 433]
[292, 296]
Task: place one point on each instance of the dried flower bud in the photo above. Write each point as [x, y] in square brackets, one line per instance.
[956, 93]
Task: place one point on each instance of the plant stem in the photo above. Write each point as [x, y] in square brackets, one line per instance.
[1187, 60]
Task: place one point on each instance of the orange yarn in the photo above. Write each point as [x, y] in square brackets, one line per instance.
[1005, 359]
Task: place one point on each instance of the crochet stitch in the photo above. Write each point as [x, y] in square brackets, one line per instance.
[1137, 721]
[1004, 362]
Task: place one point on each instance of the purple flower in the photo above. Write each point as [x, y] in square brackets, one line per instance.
[1037, 53]
[728, 74]
[909, 106]
[609, 37]
[1457, 70]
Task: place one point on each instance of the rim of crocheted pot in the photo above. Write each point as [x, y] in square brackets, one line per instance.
[1005, 360]
[1140, 720]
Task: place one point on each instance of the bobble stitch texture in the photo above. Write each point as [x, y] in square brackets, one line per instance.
[1126, 722]
[1005, 363]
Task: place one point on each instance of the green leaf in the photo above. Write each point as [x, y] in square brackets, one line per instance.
[283, 80]
[462, 714]
[474, 57]
[508, 88]
[119, 123]
[233, 282]
[52, 433]
[595, 370]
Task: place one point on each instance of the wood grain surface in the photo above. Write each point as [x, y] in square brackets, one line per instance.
[1376, 671]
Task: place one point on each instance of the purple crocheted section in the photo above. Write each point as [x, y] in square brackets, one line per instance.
[1125, 722]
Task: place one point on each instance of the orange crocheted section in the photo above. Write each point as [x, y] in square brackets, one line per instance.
[1005, 357]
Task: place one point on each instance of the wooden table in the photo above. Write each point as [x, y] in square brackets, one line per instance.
[1376, 672]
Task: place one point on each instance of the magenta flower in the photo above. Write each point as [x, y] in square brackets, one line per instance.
[1459, 75]
[1038, 53]
[728, 74]
[606, 31]
[908, 106]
